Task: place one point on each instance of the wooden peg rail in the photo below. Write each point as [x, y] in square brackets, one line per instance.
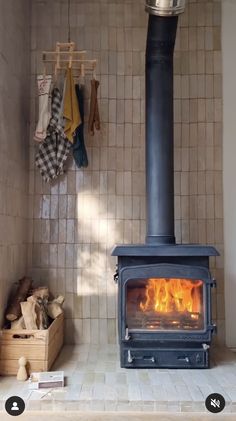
[65, 55]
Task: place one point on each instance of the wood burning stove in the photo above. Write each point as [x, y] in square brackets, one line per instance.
[164, 289]
[164, 302]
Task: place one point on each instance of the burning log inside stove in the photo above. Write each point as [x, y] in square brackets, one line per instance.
[170, 321]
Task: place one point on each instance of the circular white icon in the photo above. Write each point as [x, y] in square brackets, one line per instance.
[15, 407]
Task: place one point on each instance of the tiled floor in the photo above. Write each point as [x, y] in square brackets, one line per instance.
[95, 382]
[118, 416]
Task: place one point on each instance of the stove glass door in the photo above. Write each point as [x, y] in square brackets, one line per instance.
[165, 304]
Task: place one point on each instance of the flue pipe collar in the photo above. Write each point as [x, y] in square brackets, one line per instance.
[165, 7]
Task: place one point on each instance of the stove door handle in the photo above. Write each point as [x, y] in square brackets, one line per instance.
[127, 335]
[130, 358]
[186, 359]
[151, 359]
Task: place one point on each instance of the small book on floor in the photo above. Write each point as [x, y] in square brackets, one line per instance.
[46, 380]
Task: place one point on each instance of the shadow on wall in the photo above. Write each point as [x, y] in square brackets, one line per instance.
[80, 266]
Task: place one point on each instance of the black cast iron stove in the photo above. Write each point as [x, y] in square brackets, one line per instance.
[164, 289]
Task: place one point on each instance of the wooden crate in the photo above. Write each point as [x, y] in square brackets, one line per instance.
[39, 347]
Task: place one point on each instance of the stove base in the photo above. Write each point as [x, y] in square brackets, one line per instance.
[164, 357]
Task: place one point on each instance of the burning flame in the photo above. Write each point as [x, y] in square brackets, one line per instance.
[168, 295]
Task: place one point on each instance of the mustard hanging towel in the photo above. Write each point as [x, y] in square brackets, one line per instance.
[71, 109]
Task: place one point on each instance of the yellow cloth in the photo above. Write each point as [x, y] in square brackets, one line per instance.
[71, 111]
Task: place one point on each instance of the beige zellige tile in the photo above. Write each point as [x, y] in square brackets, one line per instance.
[120, 109]
[112, 62]
[104, 86]
[218, 158]
[192, 14]
[128, 37]
[136, 208]
[136, 63]
[201, 61]
[209, 134]
[136, 87]
[201, 181]
[128, 111]
[54, 232]
[71, 182]
[217, 38]
[209, 158]
[209, 182]
[185, 231]
[209, 14]
[193, 110]
[177, 182]
[120, 63]
[120, 39]
[201, 110]
[184, 207]
[185, 135]
[200, 38]
[218, 206]
[184, 183]
[193, 138]
[217, 86]
[112, 38]
[201, 207]
[193, 206]
[112, 111]
[119, 184]
[62, 206]
[192, 62]
[210, 62]
[218, 182]
[209, 38]
[218, 110]
[45, 230]
[193, 232]
[120, 87]
[219, 231]
[54, 207]
[193, 86]
[217, 62]
[210, 206]
[193, 39]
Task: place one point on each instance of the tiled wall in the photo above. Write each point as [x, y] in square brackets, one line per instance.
[198, 137]
[14, 139]
[76, 221]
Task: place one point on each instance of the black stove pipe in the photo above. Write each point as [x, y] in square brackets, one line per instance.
[159, 129]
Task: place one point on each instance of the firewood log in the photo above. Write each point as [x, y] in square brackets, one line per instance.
[41, 312]
[29, 314]
[55, 307]
[14, 308]
[41, 295]
[43, 305]
[18, 324]
[41, 292]
[38, 312]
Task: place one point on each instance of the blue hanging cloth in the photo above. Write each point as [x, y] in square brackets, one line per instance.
[79, 150]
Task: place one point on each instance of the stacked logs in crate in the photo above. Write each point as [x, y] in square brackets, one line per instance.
[32, 309]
